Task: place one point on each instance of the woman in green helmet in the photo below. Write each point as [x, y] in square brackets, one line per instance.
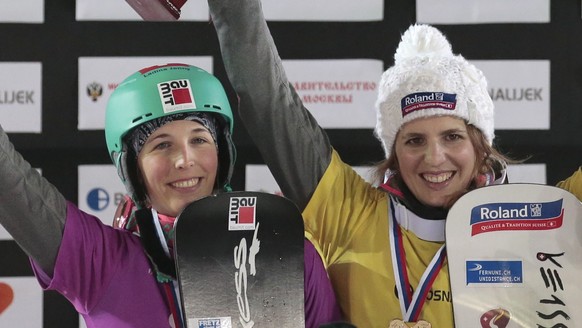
[168, 131]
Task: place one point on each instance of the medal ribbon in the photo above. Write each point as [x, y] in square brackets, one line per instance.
[410, 304]
[174, 304]
[171, 288]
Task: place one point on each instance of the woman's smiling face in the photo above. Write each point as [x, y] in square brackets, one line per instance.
[436, 158]
[178, 164]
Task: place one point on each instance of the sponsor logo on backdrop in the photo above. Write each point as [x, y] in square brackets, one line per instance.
[242, 212]
[517, 94]
[516, 216]
[94, 90]
[520, 90]
[98, 199]
[6, 296]
[332, 92]
[17, 97]
[338, 93]
[20, 302]
[100, 190]
[21, 96]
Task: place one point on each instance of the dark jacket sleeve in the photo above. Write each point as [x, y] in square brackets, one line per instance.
[32, 210]
[293, 145]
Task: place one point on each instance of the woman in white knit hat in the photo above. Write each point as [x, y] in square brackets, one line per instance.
[382, 246]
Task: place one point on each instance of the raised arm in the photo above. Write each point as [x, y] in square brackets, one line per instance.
[31, 209]
[291, 142]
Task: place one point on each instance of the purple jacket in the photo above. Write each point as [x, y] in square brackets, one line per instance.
[106, 275]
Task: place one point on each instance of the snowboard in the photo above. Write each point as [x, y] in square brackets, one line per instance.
[515, 257]
[239, 261]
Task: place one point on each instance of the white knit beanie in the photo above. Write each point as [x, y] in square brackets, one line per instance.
[428, 80]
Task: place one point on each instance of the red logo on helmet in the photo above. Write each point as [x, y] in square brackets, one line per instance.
[181, 96]
[176, 95]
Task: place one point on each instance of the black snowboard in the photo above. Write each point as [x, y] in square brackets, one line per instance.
[239, 261]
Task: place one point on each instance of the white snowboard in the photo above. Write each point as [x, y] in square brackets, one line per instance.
[515, 257]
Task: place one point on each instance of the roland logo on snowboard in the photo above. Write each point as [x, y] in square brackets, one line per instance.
[516, 216]
[241, 213]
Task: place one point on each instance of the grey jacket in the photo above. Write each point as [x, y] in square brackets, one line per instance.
[32, 210]
[293, 145]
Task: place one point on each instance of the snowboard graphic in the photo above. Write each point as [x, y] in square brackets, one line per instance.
[515, 257]
[239, 261]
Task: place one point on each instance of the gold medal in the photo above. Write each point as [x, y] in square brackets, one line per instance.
[401, 324]
[397, 324]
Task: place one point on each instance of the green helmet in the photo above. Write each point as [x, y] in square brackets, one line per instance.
[165, 90]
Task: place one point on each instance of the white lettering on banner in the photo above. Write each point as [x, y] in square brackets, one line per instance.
[417, 98]
[516, 94]
[500, 213]
[240, 277]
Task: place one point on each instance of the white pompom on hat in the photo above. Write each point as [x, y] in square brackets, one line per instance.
[427, 79]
